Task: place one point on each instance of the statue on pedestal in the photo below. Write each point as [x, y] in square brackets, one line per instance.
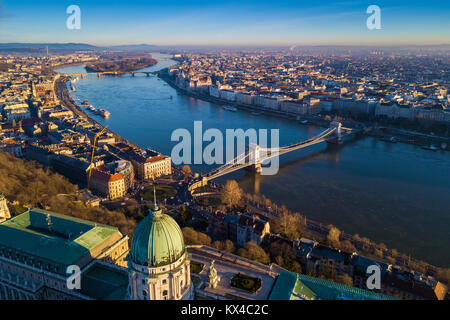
[213, 278]
[4, 211]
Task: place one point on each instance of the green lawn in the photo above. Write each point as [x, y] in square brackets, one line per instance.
[247, 283]
[162, 192]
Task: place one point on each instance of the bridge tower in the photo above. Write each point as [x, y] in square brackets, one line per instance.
[253, 150]
[338, 132]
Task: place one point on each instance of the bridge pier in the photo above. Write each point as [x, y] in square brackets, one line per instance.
[256, 168]
[338, 139]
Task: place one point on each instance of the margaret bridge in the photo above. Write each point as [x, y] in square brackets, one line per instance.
[255, 155]
[109, 73]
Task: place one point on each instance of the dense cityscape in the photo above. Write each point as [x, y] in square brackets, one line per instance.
[377, 85]
[135, 160]
[42, 123]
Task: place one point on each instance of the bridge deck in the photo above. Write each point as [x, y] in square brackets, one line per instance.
[245, 159]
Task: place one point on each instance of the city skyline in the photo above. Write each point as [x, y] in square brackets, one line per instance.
[248, 23]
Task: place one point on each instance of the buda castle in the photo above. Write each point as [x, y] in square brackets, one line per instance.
[49, 256]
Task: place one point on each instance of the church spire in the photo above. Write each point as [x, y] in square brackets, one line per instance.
[155, 205]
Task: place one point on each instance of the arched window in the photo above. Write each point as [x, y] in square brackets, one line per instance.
[165, 293]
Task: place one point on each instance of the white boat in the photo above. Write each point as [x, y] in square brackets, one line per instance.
[304, 121]
[390, 140]
[430, 147]
[105, 114]
[230, 108]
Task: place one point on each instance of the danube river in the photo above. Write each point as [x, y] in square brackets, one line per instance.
[393, 193]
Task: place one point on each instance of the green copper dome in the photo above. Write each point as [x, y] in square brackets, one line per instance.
[157, 240]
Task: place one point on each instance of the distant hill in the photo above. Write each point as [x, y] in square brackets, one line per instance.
[39, 48]
[57, 46]
[65, 47]
[134, 47]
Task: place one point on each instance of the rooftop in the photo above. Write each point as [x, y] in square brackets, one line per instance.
[104, 282]
[293, 286]
[52, 236]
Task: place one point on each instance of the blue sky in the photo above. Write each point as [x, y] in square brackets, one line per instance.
[199, 22]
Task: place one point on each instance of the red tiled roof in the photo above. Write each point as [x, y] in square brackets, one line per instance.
[155, 158]
[101, 174]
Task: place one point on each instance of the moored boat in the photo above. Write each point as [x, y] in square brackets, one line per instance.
[430, 147]
[104, 113]
[230, 108]
[390, 140]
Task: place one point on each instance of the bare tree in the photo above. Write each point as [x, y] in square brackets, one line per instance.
[333, 236]
[347, 246]
[231, 194]
[345, 279]
[291, 225]
[226, 245]
[186, 171]
[195, 238]
[253, 252]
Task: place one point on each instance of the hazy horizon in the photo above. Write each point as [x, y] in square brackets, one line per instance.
[248, 23]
